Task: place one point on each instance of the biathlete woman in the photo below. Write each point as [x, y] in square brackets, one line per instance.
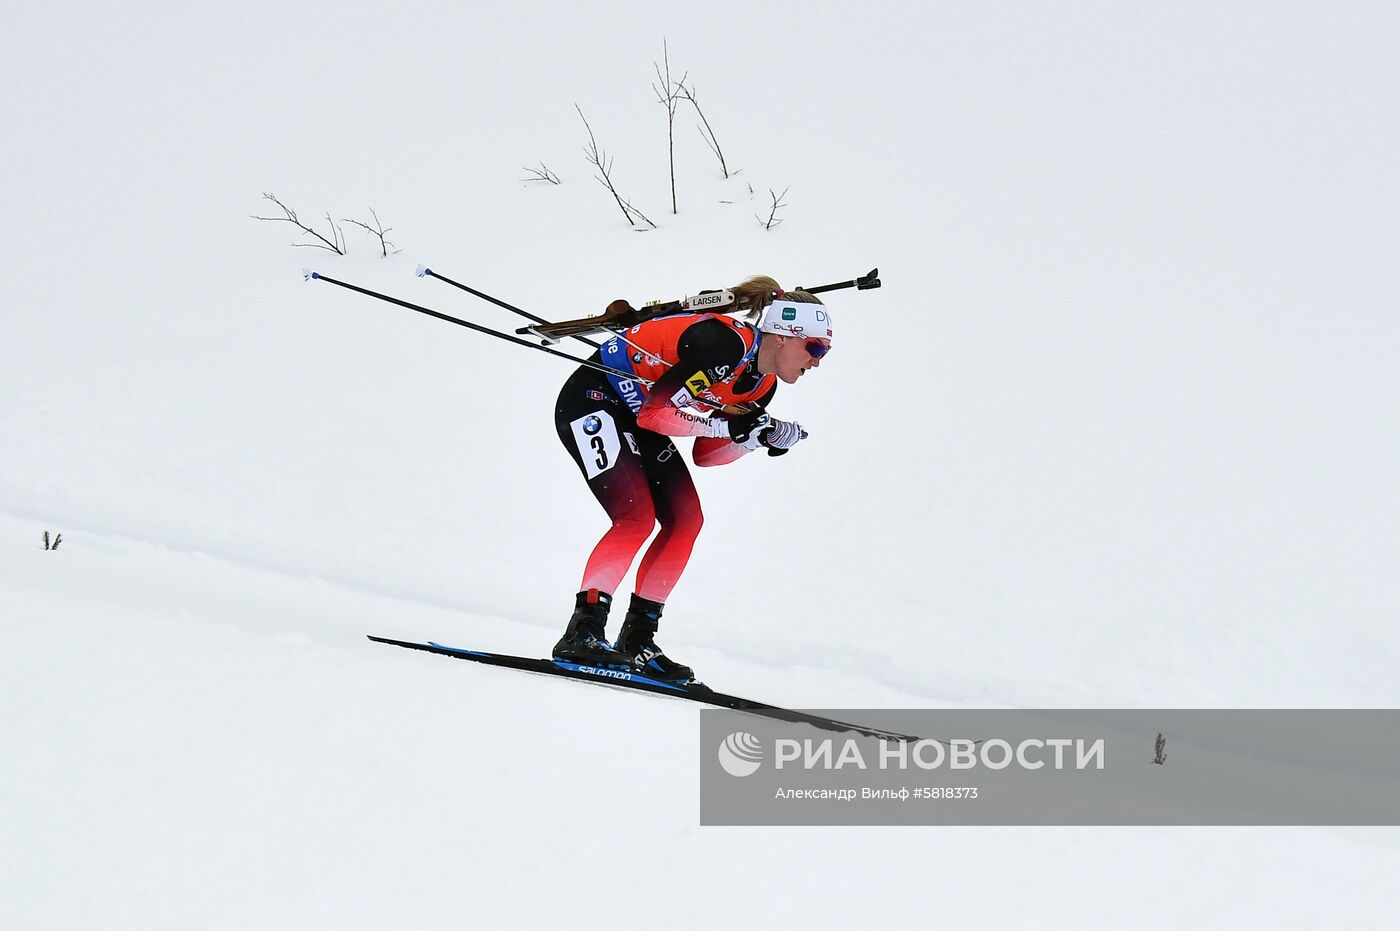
[619, 430]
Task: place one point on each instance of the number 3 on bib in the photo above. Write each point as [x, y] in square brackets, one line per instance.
[596, 437]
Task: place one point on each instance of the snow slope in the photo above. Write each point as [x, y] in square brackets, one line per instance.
[1119, 430]
[196, 742]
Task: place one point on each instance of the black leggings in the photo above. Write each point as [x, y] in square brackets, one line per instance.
[639, 478]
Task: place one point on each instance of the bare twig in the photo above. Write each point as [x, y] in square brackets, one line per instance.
[377, 230]
[628, 205]
[706, 133]
[778, 204]
[541, 173]
[598, 158]
[56, 540]
[668, 95]
[335, 244]
[1161, 758]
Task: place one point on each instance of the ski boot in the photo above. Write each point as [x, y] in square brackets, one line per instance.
[583, 640]
[637, 643]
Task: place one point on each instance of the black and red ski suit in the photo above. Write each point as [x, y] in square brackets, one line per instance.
[619, 432]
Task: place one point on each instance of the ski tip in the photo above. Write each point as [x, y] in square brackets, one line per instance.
[308, 275]
[423, 271]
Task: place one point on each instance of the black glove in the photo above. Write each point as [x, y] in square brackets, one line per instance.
[742, 426]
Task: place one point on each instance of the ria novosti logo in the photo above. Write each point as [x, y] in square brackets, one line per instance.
[741, 754]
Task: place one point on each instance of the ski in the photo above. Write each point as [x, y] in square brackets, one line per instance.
[630, 680]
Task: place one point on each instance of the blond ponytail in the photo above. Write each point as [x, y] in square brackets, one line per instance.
[753, 295]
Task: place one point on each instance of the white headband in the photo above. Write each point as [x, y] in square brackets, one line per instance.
[791, 318]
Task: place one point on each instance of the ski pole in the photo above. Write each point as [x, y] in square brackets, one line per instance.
[426, 272]
[310, 275]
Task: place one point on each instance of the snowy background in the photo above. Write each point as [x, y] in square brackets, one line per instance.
[1120, 430]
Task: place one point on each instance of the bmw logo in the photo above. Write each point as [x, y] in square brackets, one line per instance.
[591, 424]
[637, 357]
